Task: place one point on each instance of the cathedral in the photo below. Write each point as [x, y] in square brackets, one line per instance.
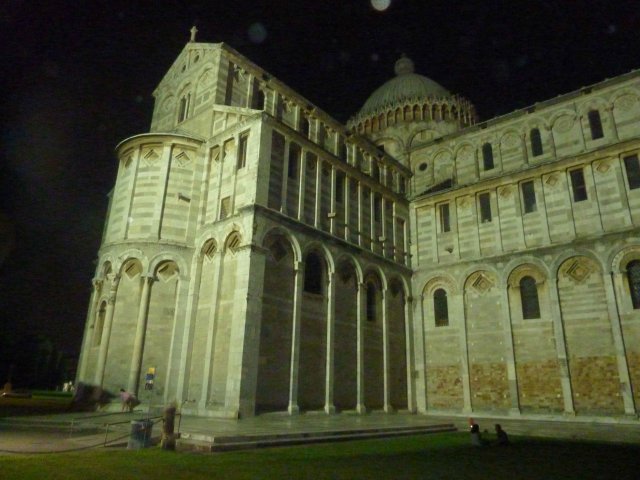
[260, 256]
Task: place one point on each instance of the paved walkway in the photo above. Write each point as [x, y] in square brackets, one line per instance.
[74, 431]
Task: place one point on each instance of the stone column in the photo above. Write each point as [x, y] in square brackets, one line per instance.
[332, 202]
[612, 119]
[88, 328]
[141, 330]
[459, 301]
[218, 267]
[242, 378]
[386, 366]
[618, 342]
[510, 356]
[347, 208]
[331, 320]
[360, 406]
[360, 213]
[420, 357]
[189, 326]
[301, 186]
[106, 332]
[411, 395]
[317, 222]
[159, 204]
[293, 407]
[561, 346]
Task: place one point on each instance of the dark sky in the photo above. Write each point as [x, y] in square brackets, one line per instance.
[77, 78]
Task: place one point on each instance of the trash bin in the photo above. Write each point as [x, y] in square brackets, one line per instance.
[140, 436]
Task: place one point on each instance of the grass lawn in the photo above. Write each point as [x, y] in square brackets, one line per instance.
[435, 456]
[39, 403]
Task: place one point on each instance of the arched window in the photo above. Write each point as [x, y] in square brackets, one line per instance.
[313, 274]
[633, 275]
[536, 142]
[371, 302]
[97, 332]
[487, 156]
[529, 298]
[440, 308]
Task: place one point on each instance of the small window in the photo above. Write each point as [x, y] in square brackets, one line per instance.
[225, 207]
[371, 302]
[578, 186]
[339, 187]
[529, 298]
[294, 160]
[440, 308]
[632, 166]
[633, 276]
[304, 126]
[257, 102]
[485, 207]
[341, 150]
[183, 109]
[528, 196]
[242, 150]
[313, 274]
[536, 142]
[595, 124]
[445, 221]
[487, 156]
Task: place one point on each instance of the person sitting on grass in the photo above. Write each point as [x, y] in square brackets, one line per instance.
[129, 400]
[502, 437]
[476, 439]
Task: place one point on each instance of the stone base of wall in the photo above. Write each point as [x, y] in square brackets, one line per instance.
[539, 387]
[489, 388]
[596, 385]
[444, 387]
[633, 360]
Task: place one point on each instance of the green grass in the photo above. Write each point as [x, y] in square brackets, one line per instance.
[38, 404]
[436, 456]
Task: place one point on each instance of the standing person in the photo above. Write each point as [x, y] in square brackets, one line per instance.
[503, 438]
[129, 400]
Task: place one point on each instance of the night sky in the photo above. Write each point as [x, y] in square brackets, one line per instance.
[77, 78]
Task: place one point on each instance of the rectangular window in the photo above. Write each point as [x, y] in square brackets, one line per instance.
[595, 124]
[632, 166]
[445, 221]
[536, 142]
[485, 207]
[578, 186]
[528, 196]
[225, 207]
[242, 150]
[487, 156]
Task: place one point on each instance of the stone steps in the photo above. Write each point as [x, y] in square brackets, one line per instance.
[215, 443]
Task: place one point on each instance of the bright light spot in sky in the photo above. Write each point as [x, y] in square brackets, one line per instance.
[380, 5]
[257, 32]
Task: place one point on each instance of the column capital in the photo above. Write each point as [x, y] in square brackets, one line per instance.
[97, 283]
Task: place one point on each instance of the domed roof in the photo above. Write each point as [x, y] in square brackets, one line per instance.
[404, 86]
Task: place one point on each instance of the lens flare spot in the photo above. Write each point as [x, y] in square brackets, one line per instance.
[380, 5]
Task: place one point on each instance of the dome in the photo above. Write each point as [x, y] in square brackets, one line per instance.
[405, 85]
